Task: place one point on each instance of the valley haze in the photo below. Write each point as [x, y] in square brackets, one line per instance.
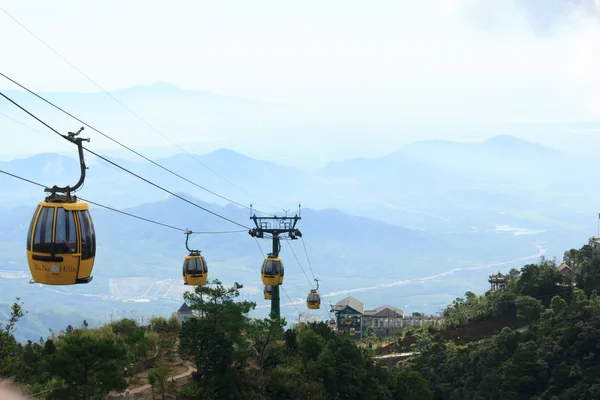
[415, 228]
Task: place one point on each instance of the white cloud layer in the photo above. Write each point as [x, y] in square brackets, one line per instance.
[398, 60]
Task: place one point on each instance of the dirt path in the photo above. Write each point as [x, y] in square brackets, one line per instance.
[143, 388]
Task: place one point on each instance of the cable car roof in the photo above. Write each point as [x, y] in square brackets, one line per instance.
[80, 205]
[188, 257]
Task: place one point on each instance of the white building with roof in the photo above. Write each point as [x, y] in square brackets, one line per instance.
[186, 312]
[385, 320]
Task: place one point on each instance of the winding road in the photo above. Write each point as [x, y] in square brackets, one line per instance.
[540, 252]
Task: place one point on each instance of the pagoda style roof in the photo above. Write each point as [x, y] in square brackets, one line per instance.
[498, 277]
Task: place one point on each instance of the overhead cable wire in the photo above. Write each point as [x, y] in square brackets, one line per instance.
[131, 111]
[166, 190]
[129, 148]
[23, 179]
[260, 248]
[290, 299]
[135, 216]
[299, 264]
[53, 138]
[122, 212]
[126, 170]
[160, 223]
[307, 257]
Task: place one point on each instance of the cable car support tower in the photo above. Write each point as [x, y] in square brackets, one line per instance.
[277, 227]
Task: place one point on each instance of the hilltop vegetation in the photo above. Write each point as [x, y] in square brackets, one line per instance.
[556, 358]
[78, 363]
[238, 357]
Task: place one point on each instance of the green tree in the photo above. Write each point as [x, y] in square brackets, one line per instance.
[157, 378]
[310, 345]
[125, 327]
[370, 337]
[370, 332]
[574, 258]
[528, 308]
[262, 333]
[538, 280]
[9, 350]
[215, 342]
[409, 385]
[173, 324]
[587, 270]
[90, 366]
[558, 304]
[49, 347]
[347, 372]
[158, 324]
[291, 340]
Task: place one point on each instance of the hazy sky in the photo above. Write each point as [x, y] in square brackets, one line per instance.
[426, 61]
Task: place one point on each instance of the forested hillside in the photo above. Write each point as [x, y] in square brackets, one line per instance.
[556, 358]
[233, 356]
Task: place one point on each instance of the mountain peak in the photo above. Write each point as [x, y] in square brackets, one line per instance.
[512, 144]
[507, 140]
[223, 152]
[160, 86]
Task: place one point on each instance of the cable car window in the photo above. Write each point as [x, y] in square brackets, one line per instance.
[65, 235]
[88, 237]
[190, 265]
[205, 265]
[281, 266]
[42, 240]
[269, 267]
[29, 232]
[194, 265]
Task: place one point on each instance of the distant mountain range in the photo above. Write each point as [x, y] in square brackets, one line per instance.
[346, 252]
[437, 181]
[425, 209]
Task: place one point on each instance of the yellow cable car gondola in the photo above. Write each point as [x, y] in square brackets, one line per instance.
[195, 269]
[61, 241]
[348, 320]
[313, 300]
[332, 323]
[352, 331]
[272, 271]
[267, 292]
